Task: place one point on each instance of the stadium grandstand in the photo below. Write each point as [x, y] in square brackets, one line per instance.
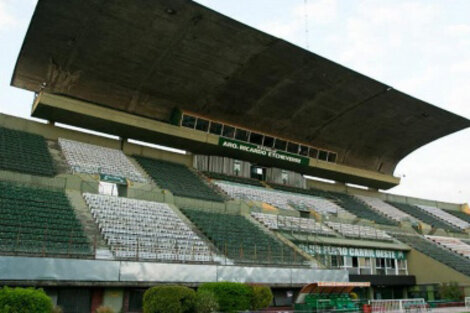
[95, 220]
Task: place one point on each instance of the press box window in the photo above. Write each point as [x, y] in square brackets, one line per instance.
[188, 121]
[293, 147]
[202, 124]
[332, 157]
[215, 128]
[313, 153]
[323, 155]
[280, 144]
[268, 141]
[303, 150]
[229, 131]
[257, 139]
[241, 134]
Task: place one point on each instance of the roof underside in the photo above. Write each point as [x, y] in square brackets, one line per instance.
[149, 57]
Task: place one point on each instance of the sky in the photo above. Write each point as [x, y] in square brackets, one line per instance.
[419, 47]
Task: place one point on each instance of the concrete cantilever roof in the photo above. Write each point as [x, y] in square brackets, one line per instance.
[149, 57]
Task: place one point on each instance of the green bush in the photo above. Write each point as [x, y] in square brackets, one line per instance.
[24, 300]
[261, 297]
[451, 291]
[232, 297]
[169, 299]
[206, 302]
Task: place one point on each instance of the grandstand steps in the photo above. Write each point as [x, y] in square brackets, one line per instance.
[209, 183]
[83, 214]
[149, 192]
[142, 171]
[284, 240]
[58, 158]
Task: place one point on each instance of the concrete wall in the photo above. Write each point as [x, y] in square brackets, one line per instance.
[429, 271]
[52, 132]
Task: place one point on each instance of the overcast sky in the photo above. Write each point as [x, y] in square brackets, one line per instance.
[419, 47]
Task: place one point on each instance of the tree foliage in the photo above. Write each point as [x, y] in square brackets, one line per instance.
[169, 299]
[24, 300]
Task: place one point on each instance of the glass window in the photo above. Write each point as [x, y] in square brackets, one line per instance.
[347, 261]
[280, 144]
[355, 262]
[303, 150]
[188, 121]
[323, 155]
[337, 261]
[268, 141]
[135, 300]
[292, 147]
[215, 128]
[255, 138]
[229, 131]
[332, 157]
[242, 134]
[313, 153]
[202, 124]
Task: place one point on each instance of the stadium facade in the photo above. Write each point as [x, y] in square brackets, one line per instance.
[96, 220]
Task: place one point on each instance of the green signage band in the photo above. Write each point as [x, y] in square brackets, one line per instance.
[260, 150]
[113, 179]
[352, 251]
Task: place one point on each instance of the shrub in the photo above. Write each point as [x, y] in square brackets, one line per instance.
[169, 299]
[451, 291]
[206, 302]
[104, 309]
[232, 297]
[24, 300]
[261, 297]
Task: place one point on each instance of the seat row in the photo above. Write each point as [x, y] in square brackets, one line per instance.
[179, 179]
[453, 244]
[449, 218]
[291, 223]
[38, 220]
[25, 152]
[240, 240]
[359, 231]
[280, 199]
[386, 209]
[92, 159]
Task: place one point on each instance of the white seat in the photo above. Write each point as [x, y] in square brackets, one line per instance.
[280, 199]
[92, 159]
[447, 217]
[145, 230]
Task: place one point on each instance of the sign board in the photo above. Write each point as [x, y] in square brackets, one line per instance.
[353, 251]
[263, 151]
[113, 179]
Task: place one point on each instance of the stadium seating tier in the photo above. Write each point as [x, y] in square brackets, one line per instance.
[424, 216]
[241, 240]
[25, 152]
[145, 230]
[87, 158]
[280, 199]
[441, 254]
[358, 208]
[39, 221]
[179, 179]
